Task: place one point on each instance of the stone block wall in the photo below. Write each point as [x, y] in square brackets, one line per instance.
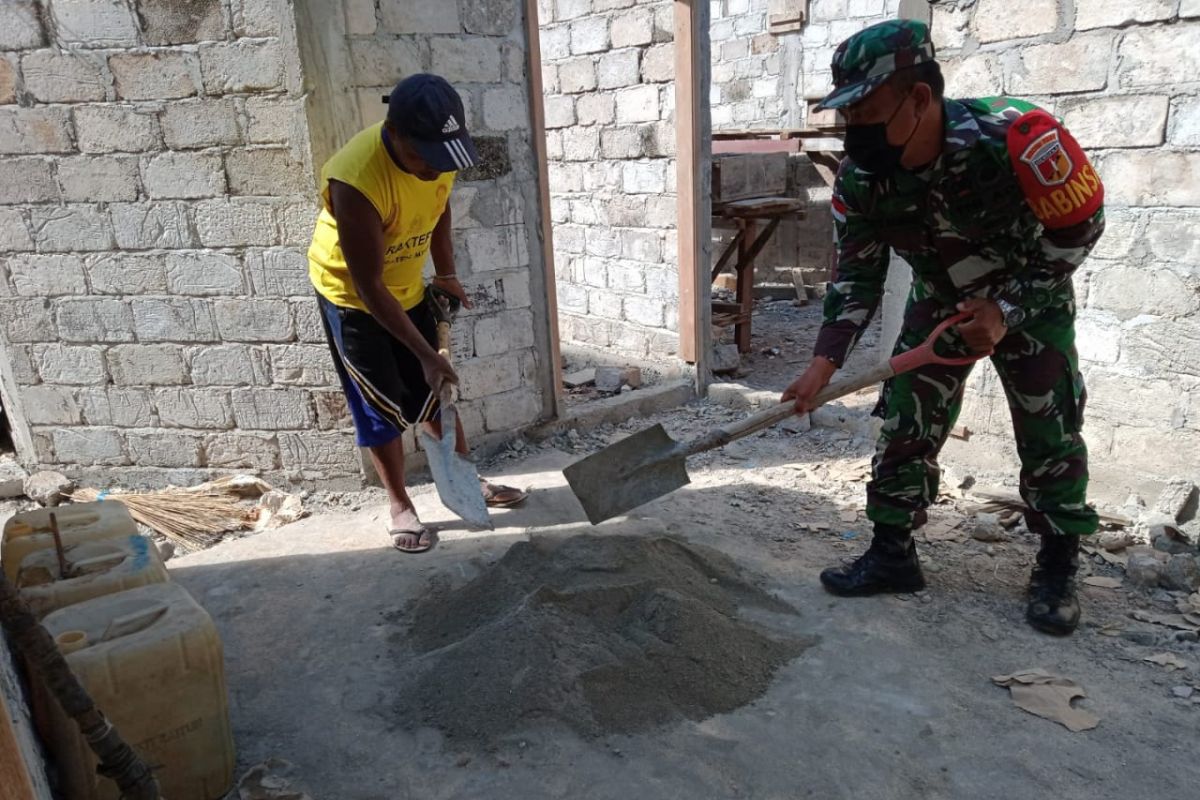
[157, 197]
[608, 78]
[1123, 78]
[748, 66]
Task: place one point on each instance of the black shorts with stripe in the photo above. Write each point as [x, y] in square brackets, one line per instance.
[384, 384]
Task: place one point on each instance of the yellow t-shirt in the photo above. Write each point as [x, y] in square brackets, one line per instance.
[409, 207]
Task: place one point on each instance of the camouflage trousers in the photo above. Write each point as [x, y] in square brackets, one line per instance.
[1039, 369]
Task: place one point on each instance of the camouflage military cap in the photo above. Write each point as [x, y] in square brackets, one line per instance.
[868, 58]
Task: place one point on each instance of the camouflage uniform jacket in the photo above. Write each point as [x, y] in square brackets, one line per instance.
[964, 225]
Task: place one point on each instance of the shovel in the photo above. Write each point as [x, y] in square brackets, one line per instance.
[650, 464]
[456, 479]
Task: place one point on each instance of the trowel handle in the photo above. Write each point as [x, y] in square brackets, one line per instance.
[778, 413]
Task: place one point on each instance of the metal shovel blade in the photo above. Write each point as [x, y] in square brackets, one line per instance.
[630, 473]
[456, 478]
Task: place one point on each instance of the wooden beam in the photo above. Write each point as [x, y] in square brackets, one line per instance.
[690, 200]
[537, 133]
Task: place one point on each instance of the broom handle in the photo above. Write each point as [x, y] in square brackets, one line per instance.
[777, 413]
[118, 761]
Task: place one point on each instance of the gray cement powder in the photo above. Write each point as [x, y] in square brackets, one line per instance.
[605, 634]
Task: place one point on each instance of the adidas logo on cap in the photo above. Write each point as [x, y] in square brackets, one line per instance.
[451, 125]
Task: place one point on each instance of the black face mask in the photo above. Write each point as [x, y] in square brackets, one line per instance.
[868, 146]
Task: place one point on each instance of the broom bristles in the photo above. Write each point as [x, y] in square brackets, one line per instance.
[192, 519]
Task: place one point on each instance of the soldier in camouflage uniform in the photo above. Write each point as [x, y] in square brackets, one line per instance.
[994, 206]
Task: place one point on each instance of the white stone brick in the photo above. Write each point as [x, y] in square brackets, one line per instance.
[571, 9]
[230, 365]
[160, 449]
[204, 123]
[272, 409]
[72, 366]
[1189, 9]
[261, 17]
[241, 451]
[577, 75]
[1135, 401]
[271, 120]
[51, 405]
[1151, 178]
[661, 212]
[26, 180]
[500, 333]
[322, 453]
[627, 276]
[618, 68]
[1078, 65]
[47, 275]
[121, 273]
[572, 298]
[550, 81]
[95, 23]
[154, 76]
[1120, 233]
[383, 62]
[842, 29]
[265, 172]
[27, 320]
[504, 108]
[643, 246]
[14, 233]
[555, 41]
[301, 365]
[279, 272]
[645, 311]
[146, 226]
[866, 8]
[633, 28]
[307, 320]
[1185, 122]
[604, 304]
[480, 377]
[1162, 347]
[98, 179]
[602, 242]
[658, 63]
[115, 128]
[597, 108]
[639, 104]
[189, 407]
[254, 320]
[1163, 239]
[560, 111]
[173, 319]
[504, 412]
[52, 76]
[94, 320]
[224, 223]
[580, 144]
[1113, 13]
[419, 16]
[464, 60]
[644, 177]
[184, 175]
[997, 20]
[124, 408]
[241, 66]
[1116, 121]
[1159, 56]
[502, 247]
[34, 130]
[1130, 291]
[360, 17]
[21, 25]
[74, 228]
[146, 364]
[766, 88]
[89, 446]
[296, 223]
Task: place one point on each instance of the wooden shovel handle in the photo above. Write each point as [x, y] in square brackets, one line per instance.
[447, 394]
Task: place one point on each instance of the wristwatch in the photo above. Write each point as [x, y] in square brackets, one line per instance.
[1013, 315]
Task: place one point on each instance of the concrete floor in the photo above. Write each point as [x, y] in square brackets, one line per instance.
[895, 700]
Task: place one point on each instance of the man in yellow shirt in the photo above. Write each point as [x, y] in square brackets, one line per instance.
[385, 198]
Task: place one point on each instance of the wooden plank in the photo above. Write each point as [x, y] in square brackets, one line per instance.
[760, 207]
[747, 250]
[15, 780]
[689, 150]
[755, 146]
[537, 121]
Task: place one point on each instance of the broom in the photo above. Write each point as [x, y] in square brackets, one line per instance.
[193, 519]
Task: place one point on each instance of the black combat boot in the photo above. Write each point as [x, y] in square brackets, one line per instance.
[1053, 607]
[889, 565]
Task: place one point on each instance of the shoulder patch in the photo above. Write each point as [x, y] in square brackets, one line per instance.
[1060, 184]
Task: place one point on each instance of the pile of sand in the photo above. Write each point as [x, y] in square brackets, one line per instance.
[608, 634]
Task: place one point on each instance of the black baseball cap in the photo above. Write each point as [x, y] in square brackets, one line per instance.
[427, 110]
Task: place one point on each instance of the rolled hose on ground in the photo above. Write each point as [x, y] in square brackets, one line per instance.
[118, 761]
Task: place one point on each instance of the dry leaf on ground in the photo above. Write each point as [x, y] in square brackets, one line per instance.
[1049, 696]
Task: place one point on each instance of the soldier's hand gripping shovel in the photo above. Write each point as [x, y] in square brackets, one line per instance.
[456, 478]
[650, 464]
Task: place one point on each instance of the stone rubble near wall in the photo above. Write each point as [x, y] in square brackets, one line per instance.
[156, 202]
